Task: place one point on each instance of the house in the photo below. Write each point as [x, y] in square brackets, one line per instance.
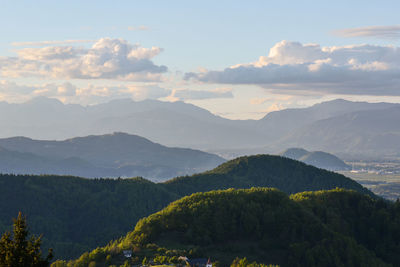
[201, 262]
[127, 253]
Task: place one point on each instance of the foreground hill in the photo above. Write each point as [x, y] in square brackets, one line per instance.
[76, 214]
[324, 228]
[110, 155]
[318, 159]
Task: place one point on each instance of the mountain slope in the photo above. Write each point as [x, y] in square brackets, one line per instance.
[170, 123]
[325, 160]
[365, 132]
[28, 163]
[294, 153]
[318, 159]
[261, 224]
[76, 214]
[176, 124]
[285, 174]
[283, 122]
[111, 155]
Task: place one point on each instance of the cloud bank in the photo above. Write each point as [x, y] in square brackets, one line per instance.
[292, 66]
[106, 59]
[52, 42]
[384, 32]
[139, 28]
[94, 94]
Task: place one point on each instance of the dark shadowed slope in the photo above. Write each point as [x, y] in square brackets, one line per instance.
[76, 214]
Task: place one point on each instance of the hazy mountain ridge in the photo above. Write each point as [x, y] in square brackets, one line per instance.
[77, 214]
[318, 159]
[371, 132]
[111, 155]
[327, 126]
[283, 122]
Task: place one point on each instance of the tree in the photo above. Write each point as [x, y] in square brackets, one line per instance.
[18, 250]
[145, 261]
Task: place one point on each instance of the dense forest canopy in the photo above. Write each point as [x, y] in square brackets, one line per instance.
[76, 215]
[267, 226]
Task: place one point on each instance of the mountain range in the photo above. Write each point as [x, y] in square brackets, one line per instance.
[341, 127]
[111, 155]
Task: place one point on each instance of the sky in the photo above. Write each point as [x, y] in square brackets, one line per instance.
[238, 59]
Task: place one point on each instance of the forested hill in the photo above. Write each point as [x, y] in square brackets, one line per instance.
[283, 173]
[325, 228]
[76, 214]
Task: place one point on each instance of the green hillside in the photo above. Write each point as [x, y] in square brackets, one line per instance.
[264, 225]
[288, 175]
[76, 215]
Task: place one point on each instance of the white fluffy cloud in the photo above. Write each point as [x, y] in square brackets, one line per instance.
[291, 66]
[106, 59]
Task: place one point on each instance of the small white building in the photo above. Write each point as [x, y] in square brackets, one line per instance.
[127, 253]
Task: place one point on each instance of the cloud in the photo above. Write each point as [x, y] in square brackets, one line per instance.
[106, 59]
[294, 67]
[274, 107]
[53, 42]
[384, 32]
[90, 94]
[138, 28]
[187, 94]
[14, 92]
[50, 53]
[139, 93]
[274, 99]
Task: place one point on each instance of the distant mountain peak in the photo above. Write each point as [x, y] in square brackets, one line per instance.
[294, 153]
[42, 100]
[318, 159]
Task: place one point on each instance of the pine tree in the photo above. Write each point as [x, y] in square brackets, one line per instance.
[17, 250]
